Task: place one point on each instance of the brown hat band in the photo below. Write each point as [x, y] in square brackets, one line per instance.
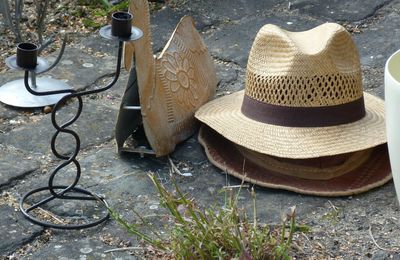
[303, 116]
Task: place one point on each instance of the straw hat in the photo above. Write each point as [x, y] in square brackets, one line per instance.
[303, 97]
[303, 122]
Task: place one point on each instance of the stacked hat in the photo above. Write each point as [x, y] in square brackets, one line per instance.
[303, 122]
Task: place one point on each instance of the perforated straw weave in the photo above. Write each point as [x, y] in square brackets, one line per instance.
[315, 68]
[319, 67]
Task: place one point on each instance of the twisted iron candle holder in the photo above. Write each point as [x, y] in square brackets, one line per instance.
[121, 31]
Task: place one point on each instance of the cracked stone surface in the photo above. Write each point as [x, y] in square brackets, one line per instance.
[163, 24]
[95, 119]
[15, 230]
[339, 10]
[79, 69]
[232, 42]
[374, 53]
[339, 227]
[237, 9]
[15, 165]
[86, 248]
[6, 113]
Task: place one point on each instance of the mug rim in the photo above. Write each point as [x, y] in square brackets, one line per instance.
[388, 72]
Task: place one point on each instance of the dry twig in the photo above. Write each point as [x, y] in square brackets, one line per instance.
[50, 214]
[333, 206]
[124, 249]
[236, 186]
[378, 246]
[175, 169]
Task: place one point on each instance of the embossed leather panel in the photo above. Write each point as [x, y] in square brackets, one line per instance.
[173, 85]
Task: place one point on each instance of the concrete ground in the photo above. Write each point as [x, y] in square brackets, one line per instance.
[365, 226]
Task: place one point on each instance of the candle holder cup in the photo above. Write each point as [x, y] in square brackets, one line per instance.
[121, 24]
[27, 55]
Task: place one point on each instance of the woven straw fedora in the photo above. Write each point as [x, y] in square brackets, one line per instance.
[303, 97]
[338, 175]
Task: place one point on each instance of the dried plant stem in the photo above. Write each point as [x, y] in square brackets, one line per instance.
[173, 167]
[333, 206]
[124, 249]
[378, 246]
[253, 195]
[50, 214]
[235, 186]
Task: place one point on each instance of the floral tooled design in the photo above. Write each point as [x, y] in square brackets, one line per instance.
[180, 76]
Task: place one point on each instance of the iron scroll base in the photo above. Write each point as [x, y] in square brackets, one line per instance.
[89, 196]
[63, 193]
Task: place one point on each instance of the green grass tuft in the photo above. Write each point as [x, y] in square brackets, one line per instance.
[215, 232]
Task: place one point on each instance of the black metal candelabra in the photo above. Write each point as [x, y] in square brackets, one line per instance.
[26, 59]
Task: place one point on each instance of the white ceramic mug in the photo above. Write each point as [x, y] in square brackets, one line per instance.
[392, 114]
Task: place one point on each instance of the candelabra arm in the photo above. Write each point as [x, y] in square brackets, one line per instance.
[43, 93]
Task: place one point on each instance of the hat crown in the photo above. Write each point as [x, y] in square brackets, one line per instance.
[314, 68]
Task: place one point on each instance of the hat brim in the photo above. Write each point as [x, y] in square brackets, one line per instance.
[224, 116]
[226, 156]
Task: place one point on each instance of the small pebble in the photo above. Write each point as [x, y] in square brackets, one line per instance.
[67, 62]
[86, 250]
[47, 109]
[153, 206]
[87, 65]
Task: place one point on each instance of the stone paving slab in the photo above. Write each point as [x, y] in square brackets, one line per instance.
[232, 42]
[112, 97]
[118, 177]
[227, 74]
[339, 10]
[373, 81]
[105, 168]
[7, 113]
[80, 69]
[96, 44]
[237, 9]
[205, 13]
[78, 249]
[95, 125]
[377, 42]
[10, 170]
[162, 25]
[15, 230]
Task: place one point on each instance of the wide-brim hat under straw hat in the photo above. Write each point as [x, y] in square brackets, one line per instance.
[303, 97]
[338, 175]
[303, 122]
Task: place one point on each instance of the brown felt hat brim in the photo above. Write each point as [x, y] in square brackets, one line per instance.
[225, 155]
